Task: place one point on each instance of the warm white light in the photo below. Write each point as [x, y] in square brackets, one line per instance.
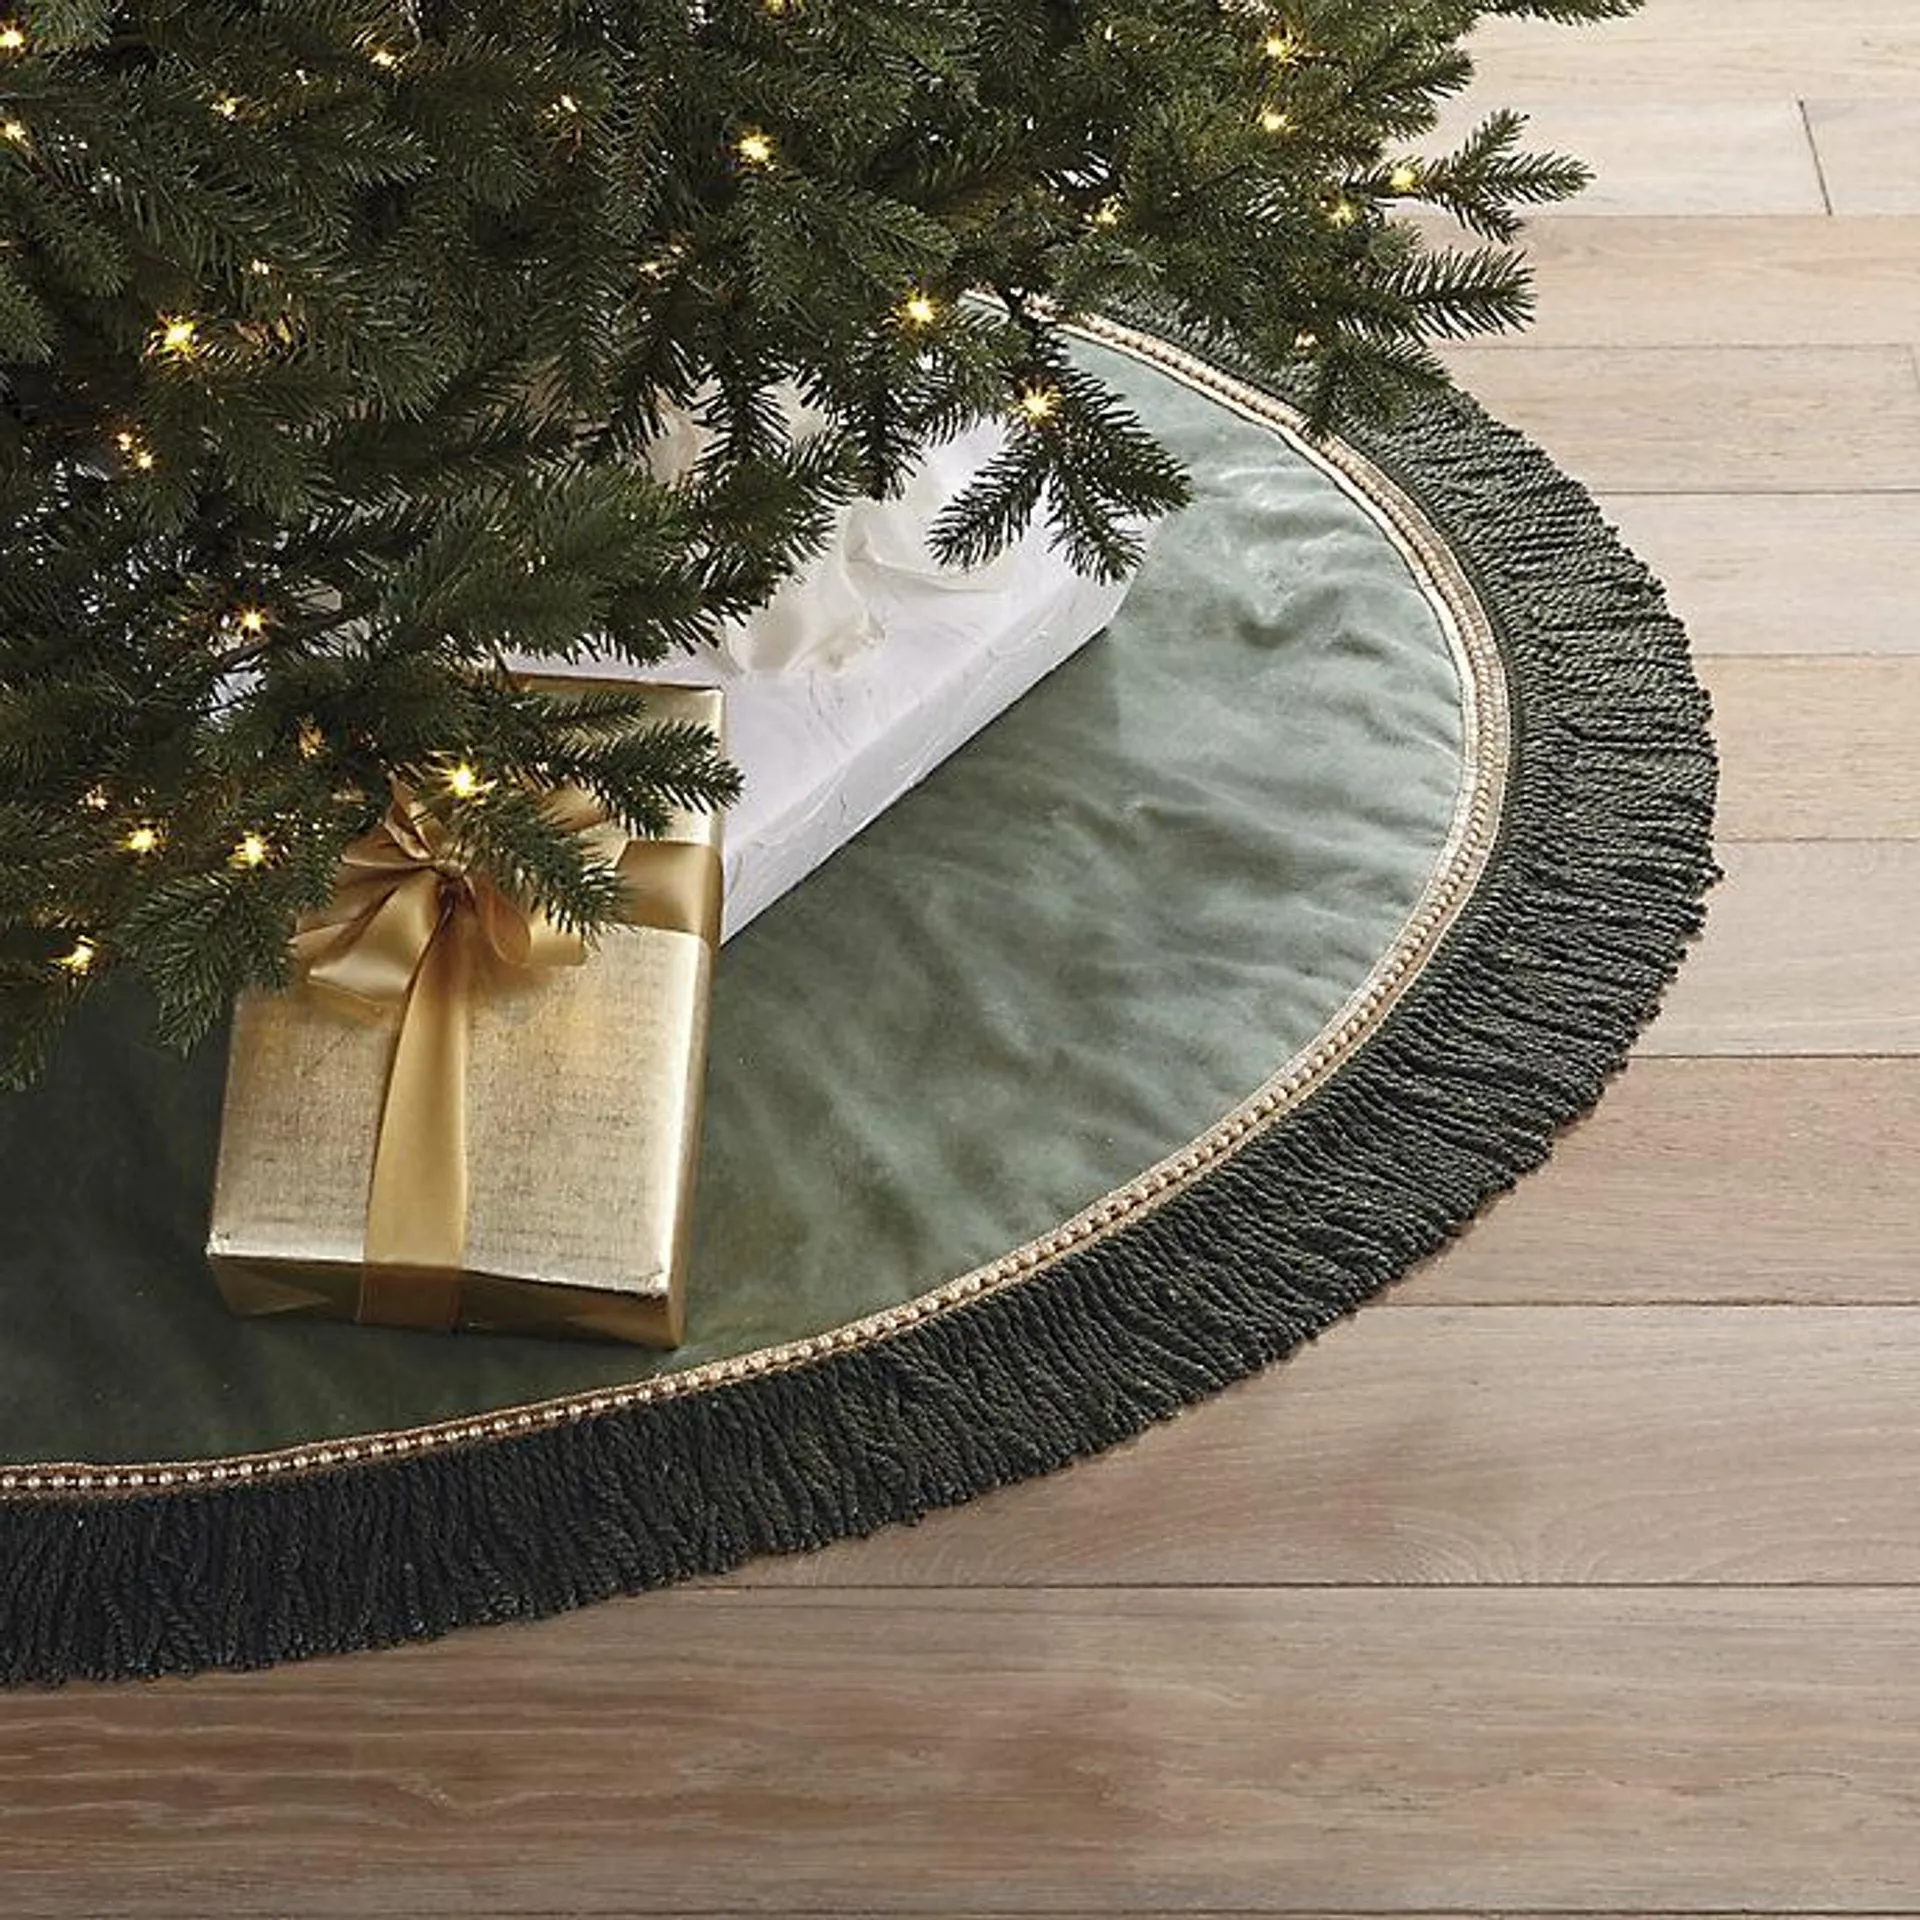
[79, 957]
[1039, 403]
[920, 309]
[756, 149]
[463, 782]
[252, 851]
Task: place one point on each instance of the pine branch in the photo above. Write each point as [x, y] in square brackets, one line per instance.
[336, 337]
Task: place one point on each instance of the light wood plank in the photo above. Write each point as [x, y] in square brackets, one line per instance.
[1472, 1445]
[1671, 1191]
[1783, 573]
[1300, 1752]
[1780, 282]
[1817, 748]
[1714, 50]
[1651, 156]
[1866, 150]
[1809, 949]
[1704, 420]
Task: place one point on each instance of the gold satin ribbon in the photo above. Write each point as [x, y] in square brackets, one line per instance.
[410, 928]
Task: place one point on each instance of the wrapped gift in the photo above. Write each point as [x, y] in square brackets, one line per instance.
[871, 666]
[460, 1116]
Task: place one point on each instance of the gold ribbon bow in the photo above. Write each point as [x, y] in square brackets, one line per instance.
[409, 927]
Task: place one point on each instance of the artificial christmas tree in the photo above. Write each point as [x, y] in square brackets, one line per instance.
[334, 335]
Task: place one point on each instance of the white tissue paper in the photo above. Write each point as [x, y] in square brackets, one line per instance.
[869, 667]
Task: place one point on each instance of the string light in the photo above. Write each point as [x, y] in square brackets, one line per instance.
[79, 957]
[1305, 340]
[261, 267]
[464, 782]
[312, 743]
[1282, 47]
[135, 449]
[14, 131]
[1343, 213]
[1272, 120]
[384, 57]
[1404, 178]
[13, 38]
[566, 104]
[1107, 214]
[143, 840]
[920, 309]
[178, 336]
[663, 262]
[1039, 404]
[755, 148]
[228, 106]
[95, 800]
[251, 850]
[777, 8]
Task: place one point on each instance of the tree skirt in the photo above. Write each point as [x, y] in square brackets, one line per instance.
[1209, 990]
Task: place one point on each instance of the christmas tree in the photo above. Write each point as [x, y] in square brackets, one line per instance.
[333, 335]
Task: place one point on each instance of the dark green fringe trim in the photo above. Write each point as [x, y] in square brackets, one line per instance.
[1510, 1032]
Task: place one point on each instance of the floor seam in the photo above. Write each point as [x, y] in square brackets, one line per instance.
[1819, 165]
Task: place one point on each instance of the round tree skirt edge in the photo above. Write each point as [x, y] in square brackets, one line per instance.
[1573, 877]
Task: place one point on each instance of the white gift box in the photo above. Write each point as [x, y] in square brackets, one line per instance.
[870, 668]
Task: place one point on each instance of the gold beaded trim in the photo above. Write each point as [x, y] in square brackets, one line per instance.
[1486, 730]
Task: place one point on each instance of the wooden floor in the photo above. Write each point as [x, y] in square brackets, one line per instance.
[1583, 1576]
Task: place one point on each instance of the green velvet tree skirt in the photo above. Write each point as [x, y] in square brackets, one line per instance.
[1199, 997]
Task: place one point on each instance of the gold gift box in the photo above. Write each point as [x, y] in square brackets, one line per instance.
[583, 1097]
